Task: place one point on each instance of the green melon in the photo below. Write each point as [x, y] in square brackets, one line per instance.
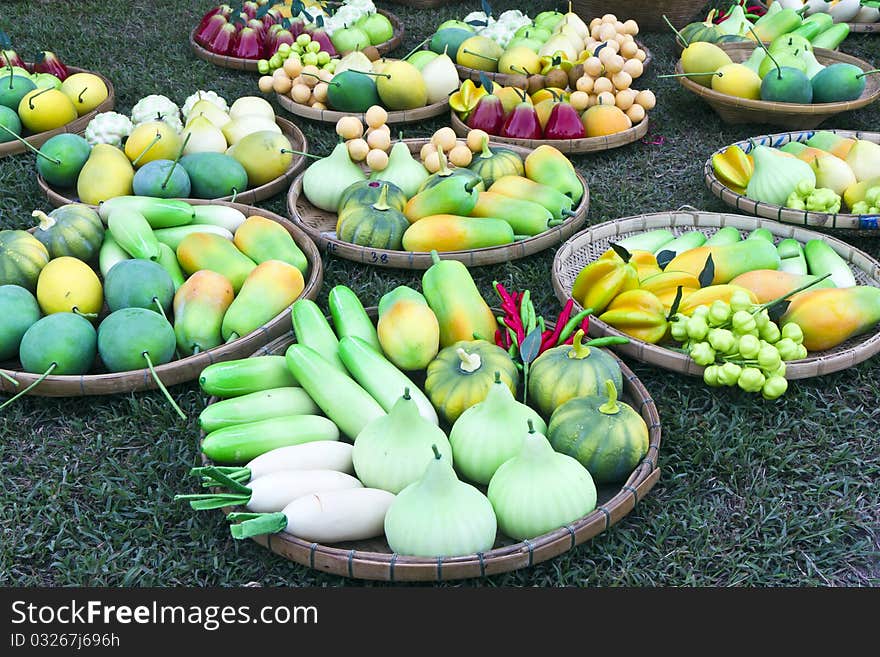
[66, 339]
[150, 178]
[22, 258]
[9, 120]
[127, 336]
[214, 175]
[138, 284]
[19, 311]
[449, 39]
[65, 156]
[606, 436]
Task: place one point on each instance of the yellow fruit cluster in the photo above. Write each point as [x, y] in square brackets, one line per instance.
[371, 146]
[306, 85]
[444, 141]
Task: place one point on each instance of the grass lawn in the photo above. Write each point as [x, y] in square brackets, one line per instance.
[751, 493]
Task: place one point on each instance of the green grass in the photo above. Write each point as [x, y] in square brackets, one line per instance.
[751, 493]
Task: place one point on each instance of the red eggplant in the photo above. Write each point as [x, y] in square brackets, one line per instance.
[488, 115]
[223, 42]
[11, 58]
[319, 35]
[247, 44]
[522, 122]
[209, 30]
[48, 62]
[564, 123]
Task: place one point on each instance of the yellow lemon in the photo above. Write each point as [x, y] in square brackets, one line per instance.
[45, 109]
[154, 140]
[69, 285]
[85, 90]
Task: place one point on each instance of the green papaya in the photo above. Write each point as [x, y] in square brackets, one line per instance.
[524, 217]
[199, 251]
[199, 306]
[268, 290]
[408, 329]
[65, 339]
[455, 195]
[262, 239]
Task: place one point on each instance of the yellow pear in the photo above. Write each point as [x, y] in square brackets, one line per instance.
[401, 86]
[263, 156]
[85, 90]
[202, 136]
[106, 174]
[153, 140]
[45, 109]
[210, 111]
[251, 105]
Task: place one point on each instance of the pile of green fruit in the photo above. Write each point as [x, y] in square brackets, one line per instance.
[438, 470]
[161, 279]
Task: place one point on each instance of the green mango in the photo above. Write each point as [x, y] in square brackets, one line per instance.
[214, 175]
[128, 337]
[199, 306]
[19, 311]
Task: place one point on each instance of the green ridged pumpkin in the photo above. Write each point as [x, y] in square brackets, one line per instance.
[494, 163]
[367, 192]
[72, 230]
[378, 226]
[463, 373]
[22, 258]
[569, 371]
[605, 435]
[699, 31]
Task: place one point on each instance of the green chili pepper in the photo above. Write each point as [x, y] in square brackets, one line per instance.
[571, 325]
[607, 340]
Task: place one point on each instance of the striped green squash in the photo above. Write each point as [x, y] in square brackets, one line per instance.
[569, 371]
[379, 226]
[605, 435]
[22, 258]
[72, 230]
[494, 163]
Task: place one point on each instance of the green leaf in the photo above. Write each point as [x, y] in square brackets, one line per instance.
[708, 274]
[486, 82]
[776, 311]
[625, 255]
[487, 8]
[675, 304]
[262, 11]
[319, 20]
[530, 346]
[664, 258]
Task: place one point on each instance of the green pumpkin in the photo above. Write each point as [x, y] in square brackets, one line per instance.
[378, 226]
[569, 371]
[699, 31]
[367, 192]
[493, 163]
[435, 178]
[463, 373]
[605, 435]
[22, 258]
[72, 230]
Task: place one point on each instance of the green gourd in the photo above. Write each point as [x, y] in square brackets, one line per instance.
[378, 226]
[605, 435]
[569, 371]
[71, 230]
[776, 177]
[324, 181]
[22, 258]
[403, 171]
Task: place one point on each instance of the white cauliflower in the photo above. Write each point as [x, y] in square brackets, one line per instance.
[366, 6]
[348, 15]
[108, 128]
[156, 107]
[210, 96]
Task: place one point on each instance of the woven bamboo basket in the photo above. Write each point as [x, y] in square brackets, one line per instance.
[76, 126]
[58, 197]
[590, 243]
[332, 116]
[778, 212]
[794, 116]
[647, 13]
[321, 227]
[240, 64]
[864, 27]
[183, 369]
[569, 146]
[374, 560]
[509, 80]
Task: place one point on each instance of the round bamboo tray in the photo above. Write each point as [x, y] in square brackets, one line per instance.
[570, 146]
[513, 80]
[647, 13]
[321, 227]
[183, 369]
[241, 64]
[58, 197]
[374, 560]
[795, 116]
[329, 116]
[789, 215]
[76, 126]
[864, 27]
[590, 243]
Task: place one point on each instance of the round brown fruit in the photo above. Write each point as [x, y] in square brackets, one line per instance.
[461, 155]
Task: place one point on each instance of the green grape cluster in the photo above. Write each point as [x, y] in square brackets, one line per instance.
[739, 345]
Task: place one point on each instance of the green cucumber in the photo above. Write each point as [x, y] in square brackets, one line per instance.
[132, 232]
[233, 378]
[168, 260]
[832, 37]
[219, 215]
[350, 318]
[761, 234]
[110, 254]
[380, 377]
[341, 398]
[256, 406]
[174, 236]
[159, 212]
[650, 241]
[822, 259]
[724, 236]
[685, 242]
[791, 257]
[242, 442]
[312, 329]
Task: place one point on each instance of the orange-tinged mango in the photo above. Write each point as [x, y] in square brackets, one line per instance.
[199, 251]
[408, 330]
[831, 316]
[449, 232]
[262, 239]
[199, 306]
[730, 260]
[770, 284]
[268, 290]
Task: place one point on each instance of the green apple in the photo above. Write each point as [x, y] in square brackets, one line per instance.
[13, 89]
[348, 39]
[539, 34]
[9, 120]
[46, 81]
[531, 44]
[455, 23]
[377, 27]
[548, 19]
[421, 57]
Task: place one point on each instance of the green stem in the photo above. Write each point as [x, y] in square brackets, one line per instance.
[611, 407]
[303, 153]
[26, 143]
[80, 96]
[148, 147]
[39, 93]
[76, 311]
[476, 54]
[210, 501]
[786, 296]
[174, 164]
[31, 386]
[678, 36]
[579, 350]
[685, 75]
[162, 387]
[8, 378]
[872, 71]
[267, 523]
[418, 47]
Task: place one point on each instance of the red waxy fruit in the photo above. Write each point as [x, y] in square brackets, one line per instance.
[222, 43]
[488, 115]
[48, 62]
[564, 123]
[522, 123]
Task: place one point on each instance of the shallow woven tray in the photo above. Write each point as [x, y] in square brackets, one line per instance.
[76, 126]
[864, 27]
[589, 244]
[321, 227]
[373, 559]
[507, 79]
[795, 116]
[778, 212]
[240, 64]
[332, 116]
[298, 141]
[184, 369]
[647, 13]
[570, 146]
